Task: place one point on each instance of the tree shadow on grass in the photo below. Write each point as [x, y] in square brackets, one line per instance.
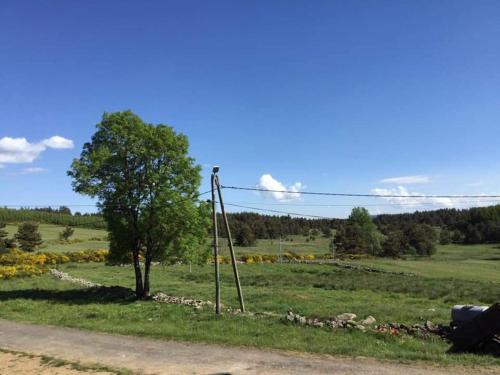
[103, 295]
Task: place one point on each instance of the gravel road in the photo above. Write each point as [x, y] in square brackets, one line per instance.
[149, 356]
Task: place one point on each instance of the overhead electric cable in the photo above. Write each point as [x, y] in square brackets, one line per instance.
[280, 212]
[28, 206]
[358, 195]
[361, 204]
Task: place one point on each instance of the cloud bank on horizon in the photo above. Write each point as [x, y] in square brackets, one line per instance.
[268, 182]
[20, 151]
[412, 199]
[407, 180]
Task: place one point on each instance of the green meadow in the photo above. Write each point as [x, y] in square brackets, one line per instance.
[455, 275]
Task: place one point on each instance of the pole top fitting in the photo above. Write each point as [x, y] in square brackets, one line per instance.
[215, 169]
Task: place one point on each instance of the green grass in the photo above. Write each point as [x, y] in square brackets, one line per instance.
[319, 290]
[297, 244]
[469, 262]
[82, 239]
[456, 274]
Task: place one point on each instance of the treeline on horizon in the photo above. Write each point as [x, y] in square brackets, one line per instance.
[470, 226]
[48, 215]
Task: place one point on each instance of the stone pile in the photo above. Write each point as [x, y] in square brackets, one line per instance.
[421, 330]
[117, 291]
[345, 320]
[63, 276]
[165, 298]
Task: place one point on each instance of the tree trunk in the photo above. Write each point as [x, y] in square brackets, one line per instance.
[139, 288]
[147, 269]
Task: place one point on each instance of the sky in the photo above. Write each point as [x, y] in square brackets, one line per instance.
[386, 97]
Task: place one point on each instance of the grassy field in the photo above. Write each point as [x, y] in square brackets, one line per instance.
[455, 275]
[82, 239]
[296, 244]
[469, 262]
[313, 290]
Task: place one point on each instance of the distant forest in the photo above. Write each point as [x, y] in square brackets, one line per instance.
[58, 216]
[476, 225]
[471, 226]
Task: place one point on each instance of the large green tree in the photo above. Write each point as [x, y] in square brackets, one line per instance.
[360, 234]
[146, 185]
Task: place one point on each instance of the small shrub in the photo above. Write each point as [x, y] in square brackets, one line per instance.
[66, 233]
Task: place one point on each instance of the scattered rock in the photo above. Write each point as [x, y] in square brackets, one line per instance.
[369, 320]
[346, 316]
[165, 298]
[421, 330]
[66, 277]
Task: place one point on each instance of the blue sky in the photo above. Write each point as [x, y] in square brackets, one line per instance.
[343, 96]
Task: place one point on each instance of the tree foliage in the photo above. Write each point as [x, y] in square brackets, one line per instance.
[244, 236]
[48, 215]
[473, 225]
[360, 234]
[66, 233]
[146, 185]
[28, 236]
[5, 242]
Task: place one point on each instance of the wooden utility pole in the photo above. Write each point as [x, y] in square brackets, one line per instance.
[230, 243]
[216, 243]
[281, 255]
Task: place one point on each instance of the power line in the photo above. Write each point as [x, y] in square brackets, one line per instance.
[358, 195]
[27, 206]
[361, 204]
[279, 212]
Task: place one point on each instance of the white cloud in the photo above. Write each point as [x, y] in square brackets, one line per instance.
[269, 183]
[33, 170]
[19, 150]
[410, 200]
[407, 180]
[58, 142]
[401, 195]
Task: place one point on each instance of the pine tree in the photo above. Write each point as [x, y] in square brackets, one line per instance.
[4, 241]
[28, 236]
[65, 234]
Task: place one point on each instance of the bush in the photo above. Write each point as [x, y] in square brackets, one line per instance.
[7, 272]
[65, 234]
[16, 263]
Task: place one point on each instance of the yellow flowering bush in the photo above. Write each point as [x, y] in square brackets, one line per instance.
[88, 256]
[16, 263]
[6, 272]
[266, 258]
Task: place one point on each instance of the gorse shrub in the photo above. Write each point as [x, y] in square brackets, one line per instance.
[17, 263]
[266, 258]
